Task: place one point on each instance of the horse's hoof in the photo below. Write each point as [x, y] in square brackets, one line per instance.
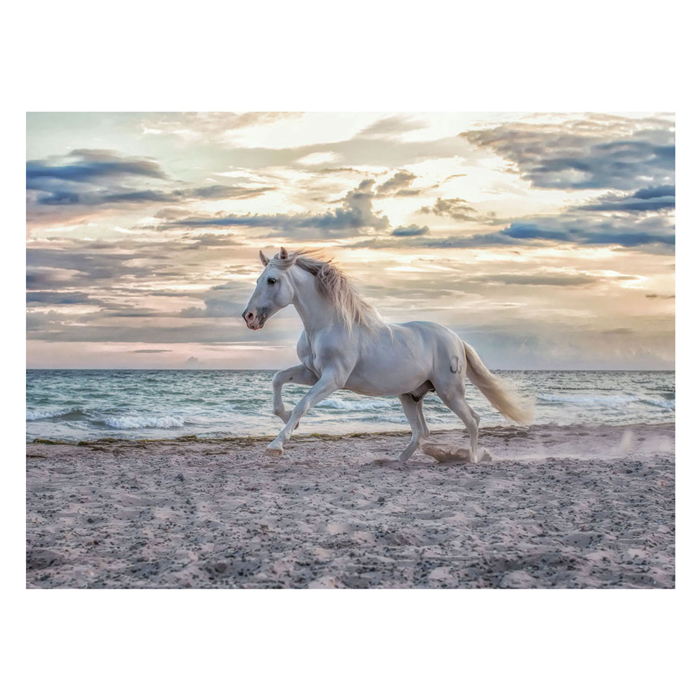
[274, 451]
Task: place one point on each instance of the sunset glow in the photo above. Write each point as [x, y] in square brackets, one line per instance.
[545, 240]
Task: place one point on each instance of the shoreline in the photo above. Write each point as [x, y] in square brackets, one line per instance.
[244, 439]
[558, 507]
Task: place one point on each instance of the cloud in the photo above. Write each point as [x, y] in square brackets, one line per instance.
[389, 126]
[644, 200]
[536, 280]
[591, 153]
[127, 196]
[81, 184]
[81, 266]
[150, 351]
[210, 127]
[397, 185]
[359, 151]
[215, 308]
[61, 188]
[457, 209]
[58, 298]
[411, 230]
[621, 232]
[355, 214]
[89, 166]
[653, 233]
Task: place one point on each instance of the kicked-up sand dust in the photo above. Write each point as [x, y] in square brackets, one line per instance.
[578, 507]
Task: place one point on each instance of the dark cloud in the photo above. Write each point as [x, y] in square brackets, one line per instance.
[411, 230]
[660, 296]
[58, 298]
[80, 184]
[127, 196]
[150, 351]
[585, 154]
[655, 234]
[623, 233]
[355, 213]
[53, 269]
[457, 209]
[644, 200]
[88, 166]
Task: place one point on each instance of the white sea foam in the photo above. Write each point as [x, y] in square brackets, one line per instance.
[614, 400]
[589, 400]
[662, 403]
[43, 415]
[136, 422]
[356, 405]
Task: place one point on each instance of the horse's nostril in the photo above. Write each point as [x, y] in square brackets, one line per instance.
[250, 316]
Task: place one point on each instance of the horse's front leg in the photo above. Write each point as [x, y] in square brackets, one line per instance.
[298, 374]
[324, 387]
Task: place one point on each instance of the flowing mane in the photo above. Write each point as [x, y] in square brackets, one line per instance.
[334, 286]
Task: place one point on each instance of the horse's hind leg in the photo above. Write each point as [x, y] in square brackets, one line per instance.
[414, 412]
[452, 395]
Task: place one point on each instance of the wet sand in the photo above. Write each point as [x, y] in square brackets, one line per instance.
[579, 507]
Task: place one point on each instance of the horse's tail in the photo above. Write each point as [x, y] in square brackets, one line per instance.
[500, 392]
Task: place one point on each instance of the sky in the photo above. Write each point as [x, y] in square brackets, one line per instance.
[544, 240]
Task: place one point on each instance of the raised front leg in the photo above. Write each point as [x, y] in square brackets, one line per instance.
[328, 383]
[298, 374]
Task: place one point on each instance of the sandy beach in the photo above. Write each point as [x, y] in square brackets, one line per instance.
[580, 507]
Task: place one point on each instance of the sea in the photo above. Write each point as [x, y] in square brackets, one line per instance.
[75, 405]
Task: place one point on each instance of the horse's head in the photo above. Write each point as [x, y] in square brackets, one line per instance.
[274, 290]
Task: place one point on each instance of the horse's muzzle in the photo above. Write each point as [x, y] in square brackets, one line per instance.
[253, 320]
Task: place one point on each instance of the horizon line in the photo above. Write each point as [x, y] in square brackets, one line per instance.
[275, 369]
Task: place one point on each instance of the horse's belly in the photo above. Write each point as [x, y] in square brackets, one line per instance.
[386, 379]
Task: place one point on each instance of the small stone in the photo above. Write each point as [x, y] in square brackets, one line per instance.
[220, 567]
[180, 477]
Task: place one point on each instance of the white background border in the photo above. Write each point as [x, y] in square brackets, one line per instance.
[363, 56]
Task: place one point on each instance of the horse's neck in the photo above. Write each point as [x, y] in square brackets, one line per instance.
[316, 313]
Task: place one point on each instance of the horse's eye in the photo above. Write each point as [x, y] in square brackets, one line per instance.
[271, 281]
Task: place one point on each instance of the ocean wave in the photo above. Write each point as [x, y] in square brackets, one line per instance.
[661, 403]
[354, 405]
[587, 400]
[65, 413]
[618, 400]
[136, 422]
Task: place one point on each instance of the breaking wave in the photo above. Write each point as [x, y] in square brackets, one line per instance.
[136, 422]
[586, 400]
[63, 413]
[346, 405]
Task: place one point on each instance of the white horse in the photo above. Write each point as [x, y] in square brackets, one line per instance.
[346, 345]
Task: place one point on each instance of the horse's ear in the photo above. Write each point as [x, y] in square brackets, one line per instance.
[264, 259]
[283, 254]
